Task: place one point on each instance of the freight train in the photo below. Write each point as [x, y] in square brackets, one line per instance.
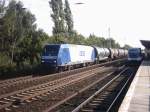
[68, 56]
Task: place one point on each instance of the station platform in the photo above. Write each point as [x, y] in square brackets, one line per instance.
[137, 98]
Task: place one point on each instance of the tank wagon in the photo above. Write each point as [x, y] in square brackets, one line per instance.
[69, 56]
[114, 53]
[117, 53]
[101, 54]
[125, 52]
[122, 52]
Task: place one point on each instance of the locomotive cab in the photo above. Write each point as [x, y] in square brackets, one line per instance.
[50, 54]
[134, 54]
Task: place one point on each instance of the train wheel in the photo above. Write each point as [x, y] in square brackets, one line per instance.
[69, 68]
[60, 69]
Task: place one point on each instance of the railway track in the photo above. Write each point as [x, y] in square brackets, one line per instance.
[33, 93]
[12, 85]
[41, 87]
[105, 98]
[100, 97]
[11, 81]
[25, 82]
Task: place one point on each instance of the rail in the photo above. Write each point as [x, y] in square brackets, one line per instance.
[99, 91]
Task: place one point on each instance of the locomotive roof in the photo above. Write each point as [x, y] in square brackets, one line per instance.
[67, 44]
[146, 43]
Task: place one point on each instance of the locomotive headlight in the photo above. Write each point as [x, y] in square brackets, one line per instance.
[55, 61]
[42, 60]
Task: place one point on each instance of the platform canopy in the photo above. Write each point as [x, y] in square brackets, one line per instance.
[146, 43]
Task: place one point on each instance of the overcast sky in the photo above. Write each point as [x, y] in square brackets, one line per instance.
[129, 20]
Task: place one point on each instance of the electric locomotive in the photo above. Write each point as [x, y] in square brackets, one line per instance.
[134, 55]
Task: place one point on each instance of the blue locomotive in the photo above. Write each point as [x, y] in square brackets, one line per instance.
[66, 56]
[134, 55]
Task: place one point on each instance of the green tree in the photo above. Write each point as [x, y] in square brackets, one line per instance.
[2, 11]
[58, 18]
[101, 41]
[2, 7]
[14, 29]
[22, 41]
[25, 44]
[69, 19]
[95, 40]
[127, 46]
[110, 42]
[31, 47]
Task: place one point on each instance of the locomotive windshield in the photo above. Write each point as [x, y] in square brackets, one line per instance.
[134, 50]
[51, 50]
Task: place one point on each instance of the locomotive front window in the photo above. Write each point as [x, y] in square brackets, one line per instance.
[51, 50]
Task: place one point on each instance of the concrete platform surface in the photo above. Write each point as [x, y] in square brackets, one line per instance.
[137, 98]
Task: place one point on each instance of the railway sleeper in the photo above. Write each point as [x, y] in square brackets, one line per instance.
[19, 95]
[93, 104]
[7, 109]
[99, 104]
[97, 101]
[68, 103]
[3, 102]
[15, 106]
[86, 110]
[93, 109]
[17, 102]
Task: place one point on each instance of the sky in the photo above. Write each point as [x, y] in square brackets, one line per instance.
[128, 20]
